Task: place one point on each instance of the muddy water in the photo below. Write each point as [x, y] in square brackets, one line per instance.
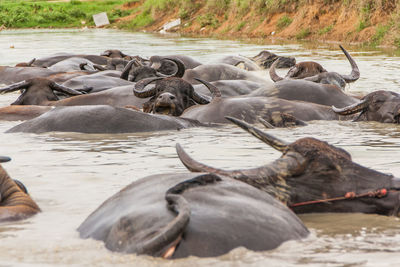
[70, 174]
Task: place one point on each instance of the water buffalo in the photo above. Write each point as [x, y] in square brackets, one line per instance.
[48, 61]
[273, 110]
[22, 112]
[99, 81]
[135, 71]
[166, 67]
[181, 214]
[15, 203]
[382, 106]
[215, 72]
[314, 72]
[303, 90]
[73, 64]
[170, 96]
[115, 53]
[239, 61]
[229, 87]
[10, 75]
[264, 59]
[313, 176]
[37, 91]
[101, 119]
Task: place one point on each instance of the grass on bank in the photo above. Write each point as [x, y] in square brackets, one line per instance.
[45, 14]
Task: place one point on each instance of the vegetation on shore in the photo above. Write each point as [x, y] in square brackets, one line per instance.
[49, 14]
[372, 22]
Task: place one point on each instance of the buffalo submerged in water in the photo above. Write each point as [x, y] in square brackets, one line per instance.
[182, 214]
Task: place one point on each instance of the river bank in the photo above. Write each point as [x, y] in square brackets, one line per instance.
[372, 23]
[366, 22]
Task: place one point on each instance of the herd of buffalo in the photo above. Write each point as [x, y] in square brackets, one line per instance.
[208, 211]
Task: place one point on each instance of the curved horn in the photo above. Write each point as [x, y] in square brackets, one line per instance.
[195, 166]
[355, 72]
[31, 62]
[82, 66]
[125, 73]
[272, 73]
[15, 87]
[215, 92]
[269, 178]
[63, 89]
[315, 78]
[266, 138]
[4, 159]
[181, 67]
[139, 91]
[99, 67]
[357, 107]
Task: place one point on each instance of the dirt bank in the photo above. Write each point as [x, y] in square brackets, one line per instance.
[362, 21]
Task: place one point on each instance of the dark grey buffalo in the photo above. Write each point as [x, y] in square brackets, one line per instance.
[229, 88]
[278, 112]
[38, 91]
[303, 90]
[101, 119]
[48, 61]
[215, 72]
[15, 203]
[73, 64]
[179, 215]
[170, 96]
[10, 75]
[100, 81]
[265, 59]
[382, 106]
[313, 176]
[240, 62]
[314, 72]
[135, 71]
[167, 67]
[22, 112]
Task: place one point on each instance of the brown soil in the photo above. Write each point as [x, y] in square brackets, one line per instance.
[316, 21]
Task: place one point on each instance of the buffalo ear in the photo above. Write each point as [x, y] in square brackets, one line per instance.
[21, 186]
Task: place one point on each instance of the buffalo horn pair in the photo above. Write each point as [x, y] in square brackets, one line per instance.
[354, 75]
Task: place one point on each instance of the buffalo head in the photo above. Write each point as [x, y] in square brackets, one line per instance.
[382, 106]
[136, 70]
[115, 53]
[264, 59]
[310, 169]
[37, 91]
[314, 72]
[170, 96]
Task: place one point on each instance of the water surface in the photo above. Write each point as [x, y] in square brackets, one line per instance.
[70, 174]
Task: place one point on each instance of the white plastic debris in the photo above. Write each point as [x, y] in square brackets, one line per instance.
[101, 19]
[170, 25]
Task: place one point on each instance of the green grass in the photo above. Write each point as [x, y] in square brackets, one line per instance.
[303, 33]
[283, 22]
[363, 24]
[29, 14]
[325, 30]
[208, 19]
[240, 25]
[380, 33]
